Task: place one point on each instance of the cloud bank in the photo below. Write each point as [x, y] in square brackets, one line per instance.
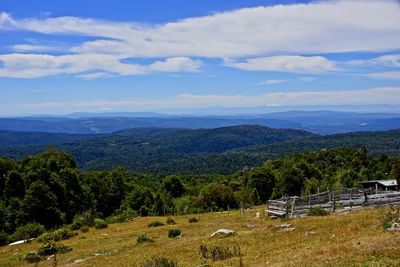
[267, 38]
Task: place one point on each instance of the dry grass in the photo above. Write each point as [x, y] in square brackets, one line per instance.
[353, 239]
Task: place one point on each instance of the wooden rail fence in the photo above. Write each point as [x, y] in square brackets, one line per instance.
[331, 201]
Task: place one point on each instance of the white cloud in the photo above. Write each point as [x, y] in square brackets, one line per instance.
[254, 33]
[382, 61]
[6, 21]
[385, 75]
[268, 82]
[176, 64]
[299, 64]
[30, 48]
[317, 27]
[100, 65]
[383, 95]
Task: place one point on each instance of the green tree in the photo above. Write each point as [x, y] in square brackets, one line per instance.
[396, 173]
[263, 180]
[14, 185]
[173, 185]
[218, 195]
[40, 205]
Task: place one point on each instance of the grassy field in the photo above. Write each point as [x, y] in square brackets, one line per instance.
[351, 239]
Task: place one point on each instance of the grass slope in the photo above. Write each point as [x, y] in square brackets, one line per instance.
[353, 239]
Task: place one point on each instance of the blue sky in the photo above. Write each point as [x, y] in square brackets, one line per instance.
[58, 57]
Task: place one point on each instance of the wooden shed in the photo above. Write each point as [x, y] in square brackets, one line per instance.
[384, 185]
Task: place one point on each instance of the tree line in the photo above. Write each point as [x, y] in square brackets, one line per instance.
[49, 189]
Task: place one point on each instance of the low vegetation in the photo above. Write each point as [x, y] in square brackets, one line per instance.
[155, 224]
[351, 239]
[174, 232]
[142, 238]
[317, 211]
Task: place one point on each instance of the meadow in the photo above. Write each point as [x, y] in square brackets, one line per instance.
[354, 238]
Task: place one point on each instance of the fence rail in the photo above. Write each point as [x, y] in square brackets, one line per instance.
[331, 201]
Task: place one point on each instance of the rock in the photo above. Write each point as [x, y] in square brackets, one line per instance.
[284, 225]
[50, 257]
[223, 232]
[309, 233]
[288, 229]
[250, 225]
[20, 242]
[395, 227]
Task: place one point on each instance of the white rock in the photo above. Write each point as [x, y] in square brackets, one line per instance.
[223, 232]
[20, 242]
[394, 227]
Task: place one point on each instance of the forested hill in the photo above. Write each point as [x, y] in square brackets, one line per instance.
[154, 146]
[10, 138]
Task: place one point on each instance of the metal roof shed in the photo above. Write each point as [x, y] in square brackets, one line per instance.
[380, 184]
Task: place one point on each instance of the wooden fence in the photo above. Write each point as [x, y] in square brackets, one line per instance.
[331, 201]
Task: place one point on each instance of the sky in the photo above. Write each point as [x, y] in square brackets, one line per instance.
[59, 57]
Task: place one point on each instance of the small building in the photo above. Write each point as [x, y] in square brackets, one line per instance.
[380, 185]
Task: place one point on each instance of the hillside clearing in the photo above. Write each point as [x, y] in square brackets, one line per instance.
[354, 238]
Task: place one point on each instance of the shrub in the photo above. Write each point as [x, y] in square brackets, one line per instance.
[100, 223]
[317, 211]
[160, 262]
[193, 220]
[28, 231]
[122, 216]
[82, 219]
[389, 215]
[219, 252]
[32, 257]
[85, 229]
[56, 235]
[52, 248]
[155, 224]
[144, 238]
[170, 221]
[3, 238]
[174, 232]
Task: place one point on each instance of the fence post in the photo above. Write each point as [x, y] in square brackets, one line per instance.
[293, 202]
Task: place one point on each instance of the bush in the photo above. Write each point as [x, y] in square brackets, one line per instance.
[122, 217]
[52, 248]
[85, 229]
[82, 219]
[56, 235]
[174, 232]
[28, 231]
[389, 215]
[32, 257]
[100, 223]
[170, 221]
[160, 262]
[193, 220]
[144, 238]
[155, 224]
[317, 211]
[3, 238]
[219, 252]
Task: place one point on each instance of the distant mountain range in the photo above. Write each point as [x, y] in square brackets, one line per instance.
[321, 122]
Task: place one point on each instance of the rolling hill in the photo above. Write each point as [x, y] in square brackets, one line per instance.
[222, 150]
